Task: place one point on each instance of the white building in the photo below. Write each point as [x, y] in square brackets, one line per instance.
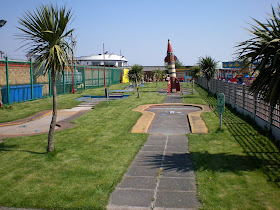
[111, 60]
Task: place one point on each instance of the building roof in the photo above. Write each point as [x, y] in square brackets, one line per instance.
[100, 57]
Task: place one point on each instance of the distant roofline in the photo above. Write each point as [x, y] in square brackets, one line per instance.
[100, 57]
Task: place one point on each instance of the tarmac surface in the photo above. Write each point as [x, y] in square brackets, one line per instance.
[161, 175]
[171, 120]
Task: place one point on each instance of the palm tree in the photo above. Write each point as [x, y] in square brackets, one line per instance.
[158, 74]
[195, 71]
[135, 75]
[264, 48]
[208, 68]
[45, 34]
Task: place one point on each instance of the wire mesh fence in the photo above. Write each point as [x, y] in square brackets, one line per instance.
[22, 81]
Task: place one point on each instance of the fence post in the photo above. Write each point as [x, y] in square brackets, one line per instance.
[243, 97]
[216, 81]
[112, 75]
[91, 77]
[98, 76]
[75, 78]
[225, 88]
[255, 106]
[270, 116]
[235, 84]
[7, 81]
[84, 77]
[63, 79]
[31, 79]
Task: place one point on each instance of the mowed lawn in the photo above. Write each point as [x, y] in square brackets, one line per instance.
[89, 159]
[67, 101]
[236, 167]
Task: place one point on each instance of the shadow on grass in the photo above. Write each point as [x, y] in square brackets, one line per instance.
[14, 148]
[4, 147]
[249, 138]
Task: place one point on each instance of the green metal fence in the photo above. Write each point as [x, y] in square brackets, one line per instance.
[21, 81]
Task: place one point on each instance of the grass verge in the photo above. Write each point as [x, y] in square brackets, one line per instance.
[236, 167]
[88, 162]
[21, 110]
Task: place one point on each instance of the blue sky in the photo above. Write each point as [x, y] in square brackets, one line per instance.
[141, 28]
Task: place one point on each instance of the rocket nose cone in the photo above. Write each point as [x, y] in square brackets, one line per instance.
[169, 48]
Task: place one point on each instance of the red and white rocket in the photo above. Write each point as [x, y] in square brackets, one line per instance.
[173, 84]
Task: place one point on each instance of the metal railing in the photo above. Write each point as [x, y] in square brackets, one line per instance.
[21, 81]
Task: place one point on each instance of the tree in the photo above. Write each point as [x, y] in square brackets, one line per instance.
[45, 34]
[195, 71]
[135, 75]
[158, 74]
[264, 48]
[179, 65]
[245, 66]
[208, 68]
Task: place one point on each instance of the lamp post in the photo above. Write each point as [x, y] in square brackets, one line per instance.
[104, 67]
[73, 66]
[2, 23]
[1, 52]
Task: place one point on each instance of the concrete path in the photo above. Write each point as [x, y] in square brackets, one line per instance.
[161, 176]
[173, 98]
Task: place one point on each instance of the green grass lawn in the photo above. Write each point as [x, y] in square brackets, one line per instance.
[236, 167]
[89, 161]
[67, 101]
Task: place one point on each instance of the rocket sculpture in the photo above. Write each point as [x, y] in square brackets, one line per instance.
[173, 84]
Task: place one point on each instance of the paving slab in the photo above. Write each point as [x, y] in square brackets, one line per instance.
[177, 171]
[138, 183]
[175, 149]
[155, 142]
[148, 155]
[171, 199]
[178, 158]
[144, 171]
[147, 163]
[176, 143]
[137, 198]
[173, 98]
[149, 148]
[177, 138]
[177, 184]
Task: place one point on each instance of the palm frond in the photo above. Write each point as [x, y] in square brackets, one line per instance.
[264, 47]
[44, 34]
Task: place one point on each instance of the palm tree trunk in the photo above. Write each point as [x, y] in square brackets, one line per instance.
[54, 115]
[138, 94]
[156, 83]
